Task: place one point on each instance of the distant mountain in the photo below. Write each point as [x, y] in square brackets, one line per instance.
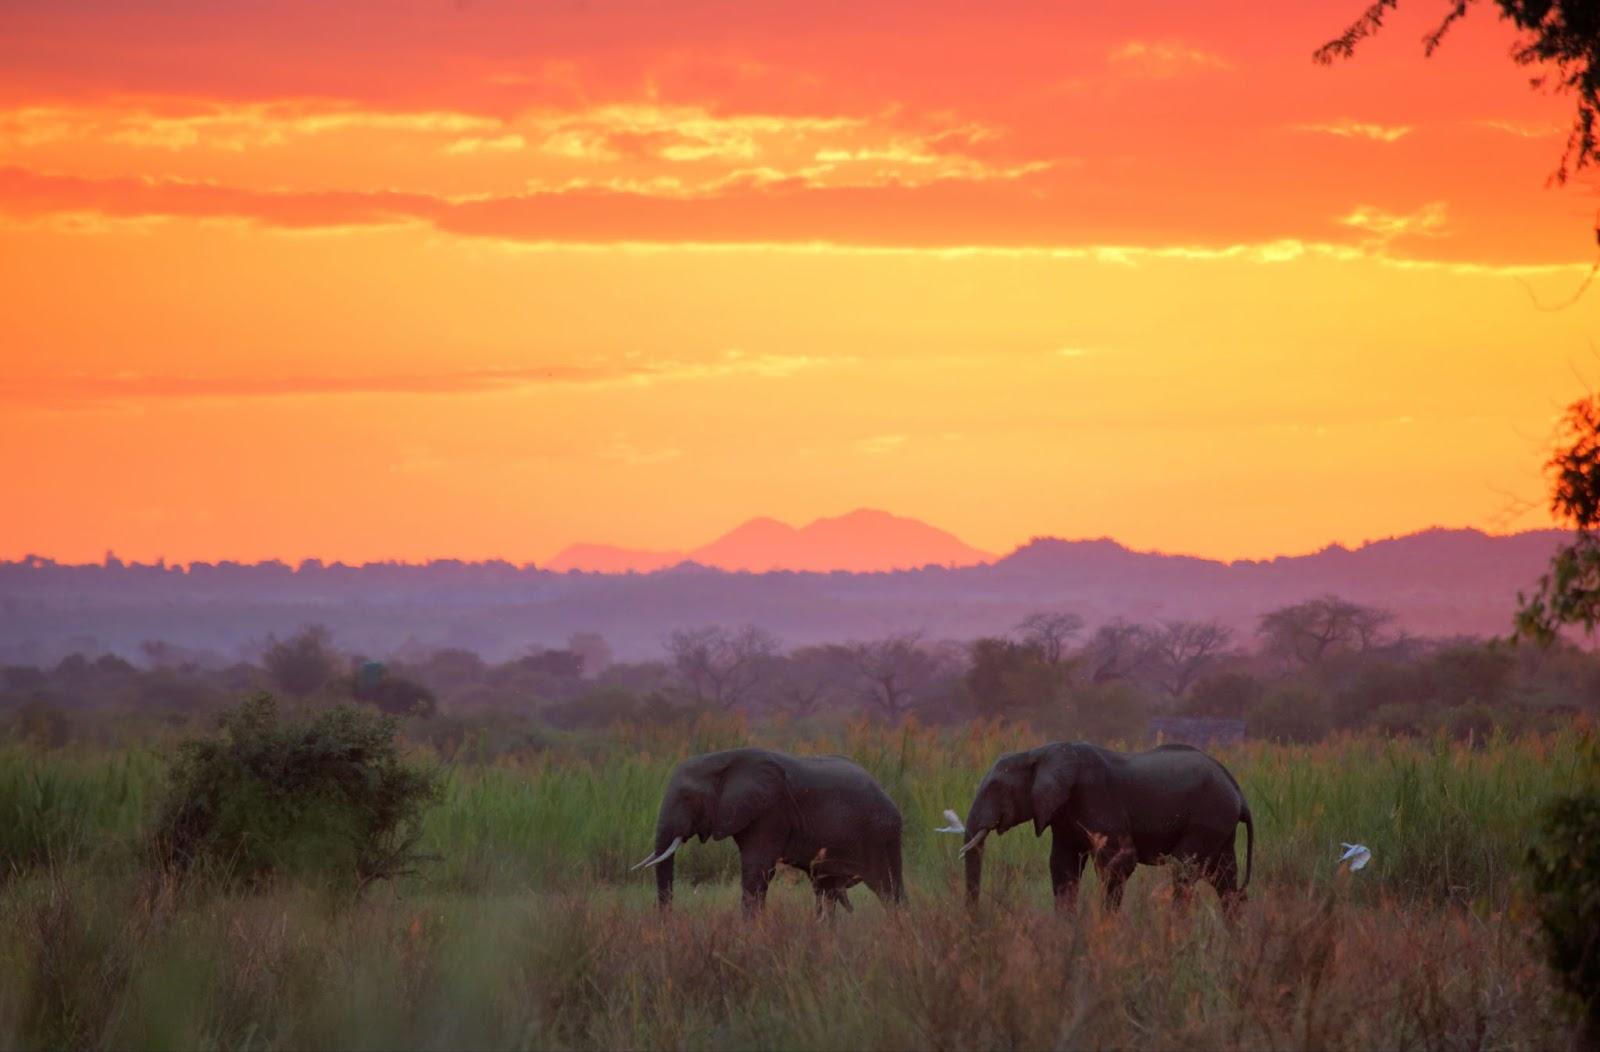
[863, 541]
[608, 558]
[1437, 583]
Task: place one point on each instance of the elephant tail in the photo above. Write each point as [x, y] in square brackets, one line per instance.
[1249, 844]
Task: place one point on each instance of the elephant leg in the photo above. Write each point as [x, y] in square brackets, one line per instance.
[756, 874]
[885, 881]
[1114, 866]
[1185, 872]
[829, 897]
[1223, 873]
[1067, 859]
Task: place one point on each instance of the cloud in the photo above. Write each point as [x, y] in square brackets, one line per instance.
[1076, 352]
[1347, 129]
[1427, 221]
[126, 388]
[1523, 129]
[623, 451]
[175, 125]
[755, 217]
[497, 144]
[679, 150]
[880, 444]
[1161, 59]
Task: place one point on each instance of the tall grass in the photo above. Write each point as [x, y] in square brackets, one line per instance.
[530, 932]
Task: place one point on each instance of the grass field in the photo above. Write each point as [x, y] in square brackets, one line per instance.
[528, 931]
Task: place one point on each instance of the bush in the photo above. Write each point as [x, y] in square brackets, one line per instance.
[1290, 712]
[1566, 877]
[329, 795]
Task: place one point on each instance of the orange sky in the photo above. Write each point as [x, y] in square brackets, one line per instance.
[478, 279]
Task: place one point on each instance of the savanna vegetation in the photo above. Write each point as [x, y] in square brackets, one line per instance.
[519, 924]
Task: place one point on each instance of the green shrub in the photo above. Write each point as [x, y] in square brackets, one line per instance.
[329, 795]
[1290, 712]
[1566, 876]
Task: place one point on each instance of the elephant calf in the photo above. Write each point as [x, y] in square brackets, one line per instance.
[1121, 809]
[824, 815]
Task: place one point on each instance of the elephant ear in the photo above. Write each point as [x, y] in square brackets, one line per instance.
[749, 789]
[1053, 778]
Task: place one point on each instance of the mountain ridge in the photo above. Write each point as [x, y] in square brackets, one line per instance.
[1438, 582]
[864, 540]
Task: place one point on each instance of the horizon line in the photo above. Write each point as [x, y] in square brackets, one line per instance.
[113, 561]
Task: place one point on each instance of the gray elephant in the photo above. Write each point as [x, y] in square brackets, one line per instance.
[1121, 809]
[824, 815]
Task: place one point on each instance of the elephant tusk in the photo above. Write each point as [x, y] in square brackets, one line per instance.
[643, 862]
[975, 843]
[656, 860]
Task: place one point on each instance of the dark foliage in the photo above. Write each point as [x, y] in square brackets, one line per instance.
[1561, 36]
[1569, 592]
[302, 664]
[1566, 876]
[327, 795]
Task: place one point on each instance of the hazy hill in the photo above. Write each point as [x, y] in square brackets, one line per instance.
[1438, 582]
[863, 541]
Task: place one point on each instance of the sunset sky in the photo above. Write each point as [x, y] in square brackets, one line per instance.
[480, 279]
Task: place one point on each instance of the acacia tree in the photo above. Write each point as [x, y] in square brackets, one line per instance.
[1308, 633]
[1183, 651]
[302, 664]
[893, 673]
[1117, 650]
[1049, 632]
[812, 678]
[721, 666]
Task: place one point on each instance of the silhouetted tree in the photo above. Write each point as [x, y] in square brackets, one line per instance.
[302, 664]
[1562, 35]
[1180, 652]
[893, 674]
[1050, 632]
[1116, 651]
[812, 678]
[1007, 678]
[1308, 633]
[721, 666]
[594, 650]
[1569, 592]
[1229, 695]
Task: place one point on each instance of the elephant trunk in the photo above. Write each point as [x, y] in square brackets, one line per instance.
[983, 818]
[974, 873]
[664, 883]
[666, 847]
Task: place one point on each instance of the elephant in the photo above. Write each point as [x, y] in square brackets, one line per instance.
[821, 814]
[1121, 809]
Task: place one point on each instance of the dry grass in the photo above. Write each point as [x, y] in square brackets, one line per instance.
[1301, 969]
[531, 933]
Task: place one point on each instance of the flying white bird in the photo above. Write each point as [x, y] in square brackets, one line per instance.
[955, 825]
[1358, 855]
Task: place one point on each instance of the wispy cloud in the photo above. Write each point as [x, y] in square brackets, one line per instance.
[880, 444]
[1348, 129]
[126, 388]
[624, 451]
[673, 150]
[1522, 129]
[1165, 58]
[1427, 221]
